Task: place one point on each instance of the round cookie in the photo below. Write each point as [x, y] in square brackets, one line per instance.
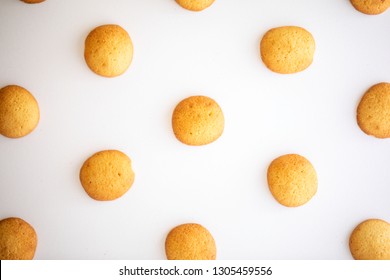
[107, 175]
[18, 240]
[197, 120]
[371, 7]
[32, 1]
[370, 240]
[292, 180]
[373, 111]
[287, 49]
[108, 50]
[195, 5]
[19, 112]
[190, 242]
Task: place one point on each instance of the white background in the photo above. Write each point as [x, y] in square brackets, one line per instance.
[178, 53]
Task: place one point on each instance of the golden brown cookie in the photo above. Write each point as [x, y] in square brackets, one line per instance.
[107, 175]
[190, 242]
[18, 240]
[108, 50]
[373, 111]
[195, 5]
[371, 7]
[197, 120]
[370, 240]
[292, 180]
[19, 112]
[287, 49]
[32, 1]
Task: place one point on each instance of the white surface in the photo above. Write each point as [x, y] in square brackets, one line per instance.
[222, 185]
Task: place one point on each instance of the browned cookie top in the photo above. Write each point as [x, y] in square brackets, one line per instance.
[198, 120]
[107, 175]
[19, 112]
[292, 180]
[18, 240]
[108, 50]
[373, 112]
[32, 1]
[371, 7]
[287, 49]
[370, 240]
[190, 242]
[195, 5]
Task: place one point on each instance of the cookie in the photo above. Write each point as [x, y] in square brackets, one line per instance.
[198, 120]
[18, 240]
[371, 7]
[195, 5]
[287, 49]
[373, 111]
[370, 240]
[19, 112]
[292, 180]
[32, 1]
[190, 242]
[107, 175]
[108, 50]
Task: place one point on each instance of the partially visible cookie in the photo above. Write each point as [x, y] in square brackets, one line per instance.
[292, 180]
[373, 111]
[32, 1]
[108, 50]
[198, 120]
[19, 112]
[107, 175]
[190, 242]
[370, 240]
[195, 5]
[371, 7]
[287, 49]
[18, 240]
